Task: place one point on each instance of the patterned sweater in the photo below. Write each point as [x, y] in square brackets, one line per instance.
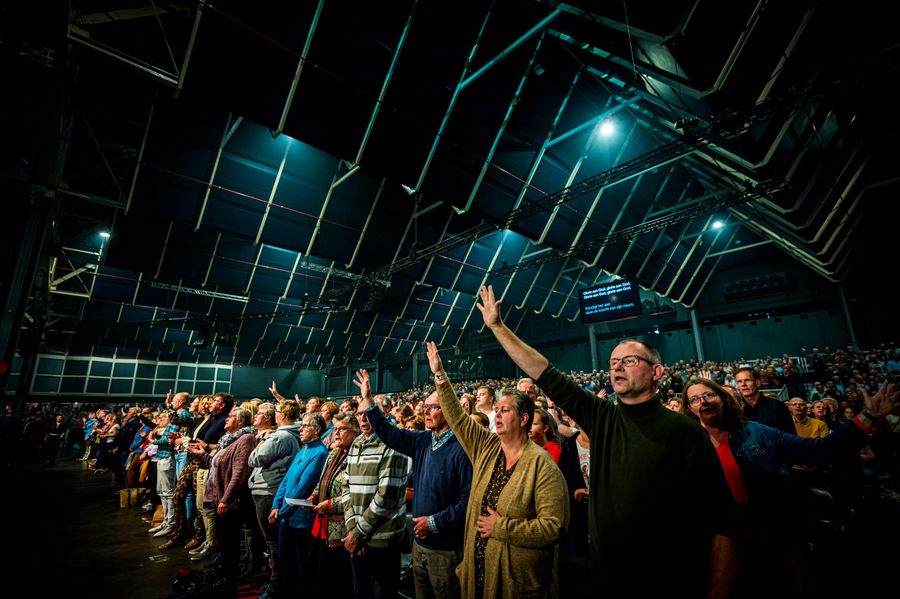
[375, 499]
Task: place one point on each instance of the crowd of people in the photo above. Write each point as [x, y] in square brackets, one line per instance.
[502, 487]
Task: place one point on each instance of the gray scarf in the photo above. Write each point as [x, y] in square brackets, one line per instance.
[229, 438]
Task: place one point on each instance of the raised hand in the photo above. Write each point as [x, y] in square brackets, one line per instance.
[365, 385]
[880, 404]
[490, 307]
[274, 391]
[434, 358]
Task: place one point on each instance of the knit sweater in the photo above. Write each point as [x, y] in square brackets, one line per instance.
[441, 479]
[645, 459]
[298, 483]
[522, 552]
[272, 458]
[375, 498]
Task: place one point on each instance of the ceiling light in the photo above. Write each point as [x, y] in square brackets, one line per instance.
[718, 224]
[104, 234]
[606, 128]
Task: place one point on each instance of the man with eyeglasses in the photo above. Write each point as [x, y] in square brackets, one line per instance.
[374, 511]
[643, 457]
[442, 478]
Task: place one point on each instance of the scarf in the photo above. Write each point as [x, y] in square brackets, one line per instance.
[229, 438]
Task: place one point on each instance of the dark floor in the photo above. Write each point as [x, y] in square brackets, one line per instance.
[66, 534]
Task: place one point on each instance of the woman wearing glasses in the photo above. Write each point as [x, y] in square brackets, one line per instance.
[756, 459]
[329, 562]
[518, 508]
[295, 522]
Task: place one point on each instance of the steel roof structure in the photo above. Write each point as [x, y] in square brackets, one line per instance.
[303, 184]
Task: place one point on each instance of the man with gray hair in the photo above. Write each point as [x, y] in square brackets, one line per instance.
[374, 510]
[442, 479]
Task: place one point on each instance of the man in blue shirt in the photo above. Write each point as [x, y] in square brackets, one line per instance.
[442, 477]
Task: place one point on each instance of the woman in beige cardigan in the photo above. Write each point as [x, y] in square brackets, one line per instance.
[518, 508]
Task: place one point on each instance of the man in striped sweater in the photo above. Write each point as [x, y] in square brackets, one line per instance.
[374, 511]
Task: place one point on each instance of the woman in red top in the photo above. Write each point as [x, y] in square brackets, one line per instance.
[543, 432]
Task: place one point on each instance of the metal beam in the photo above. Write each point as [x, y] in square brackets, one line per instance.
[511, 48]
[262, 223]
[302, 61]
[384, 86]
[226, 136]
[624, 103]
[509, 112]
[76, 34]
[453, 99]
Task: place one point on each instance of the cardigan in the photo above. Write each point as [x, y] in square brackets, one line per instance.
[522, 552]
[231, 472]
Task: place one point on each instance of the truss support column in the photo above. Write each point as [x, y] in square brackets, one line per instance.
[698, 343]
[24, 239]
[845, 311]
[592, 339]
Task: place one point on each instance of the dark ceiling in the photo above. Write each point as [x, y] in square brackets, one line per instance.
[315, 182]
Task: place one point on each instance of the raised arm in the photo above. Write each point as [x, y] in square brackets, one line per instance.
[274, 391]
[471, 436]
[397, 439]
[526, 357]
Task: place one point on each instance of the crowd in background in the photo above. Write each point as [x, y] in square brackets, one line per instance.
[178, 449]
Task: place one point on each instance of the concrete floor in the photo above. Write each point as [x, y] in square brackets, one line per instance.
[66, 534]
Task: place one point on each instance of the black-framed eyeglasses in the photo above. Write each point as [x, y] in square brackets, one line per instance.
[696, 399]
[429, 407]
[308, 426]
[630, 361]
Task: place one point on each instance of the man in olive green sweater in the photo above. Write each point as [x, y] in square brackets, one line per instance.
[644, 460]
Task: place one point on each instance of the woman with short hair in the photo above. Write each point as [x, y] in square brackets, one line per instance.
[270, 461]
[328, 530]
[229, 471]
[518, 511]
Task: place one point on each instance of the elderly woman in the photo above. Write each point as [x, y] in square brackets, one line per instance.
[329, 562]
[229, 471]
[518, 509]
[295, 522]
[264, 421]
[270, 462]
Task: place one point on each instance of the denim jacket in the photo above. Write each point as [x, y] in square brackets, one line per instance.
[773, 450]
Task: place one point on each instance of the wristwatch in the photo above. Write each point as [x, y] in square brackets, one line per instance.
[440, 377]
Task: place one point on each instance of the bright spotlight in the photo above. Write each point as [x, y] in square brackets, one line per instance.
[606, 129]
[718, 224]
[104, 234]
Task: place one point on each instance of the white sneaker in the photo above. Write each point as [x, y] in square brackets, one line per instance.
[163, 531]
[198, 548]
[155, 529]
